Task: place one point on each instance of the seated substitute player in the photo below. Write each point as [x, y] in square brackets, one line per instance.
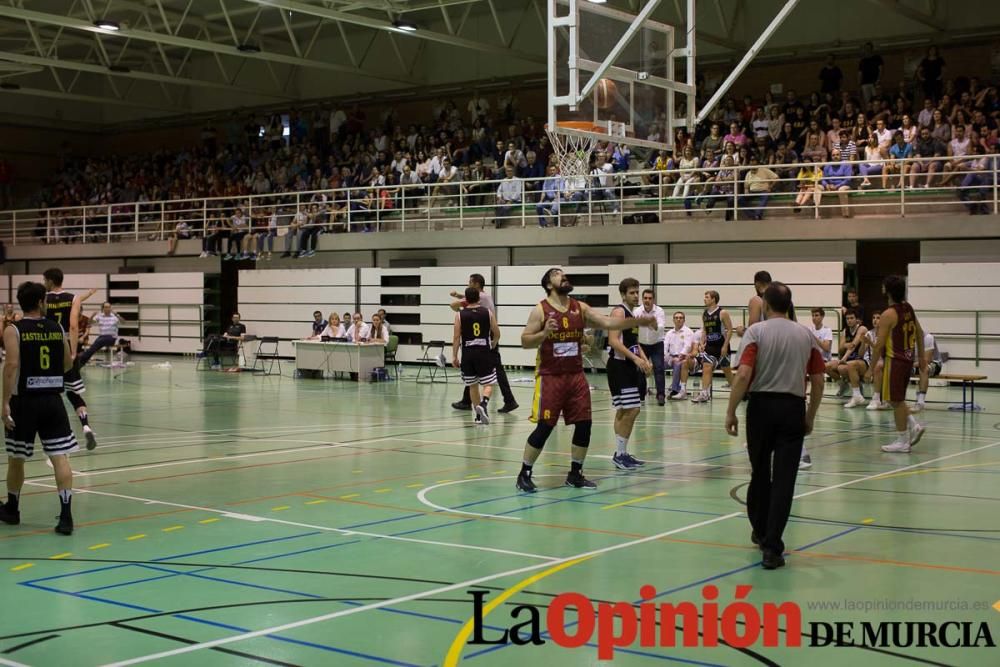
[555, 327]
[477, 334]
[38, 356]
[874, 374]
[932, 368]
[627, 364]
[851, 363]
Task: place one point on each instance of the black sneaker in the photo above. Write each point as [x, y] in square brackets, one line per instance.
[9, 516]
[578, 481]
[460, 405]
[88, 434]
[772, 560]
[65, 525]
[634, 461]
[508, 407]
[524, 483]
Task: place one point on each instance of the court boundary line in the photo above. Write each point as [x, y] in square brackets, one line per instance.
[499, 575]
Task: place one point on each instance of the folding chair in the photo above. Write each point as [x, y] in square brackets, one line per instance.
[267, 350]
[390, 354]
[429, 362]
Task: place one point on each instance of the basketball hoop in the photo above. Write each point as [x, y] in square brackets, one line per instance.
[573, 142]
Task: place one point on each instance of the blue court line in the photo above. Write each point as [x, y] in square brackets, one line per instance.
[676, 589]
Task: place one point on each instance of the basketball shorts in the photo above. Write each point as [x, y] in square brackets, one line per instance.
[714, 357]
[623, 381]
[479, 366]
[933, 369]
[72, 380]
[895, 379]
[567, 395]
[44, 416]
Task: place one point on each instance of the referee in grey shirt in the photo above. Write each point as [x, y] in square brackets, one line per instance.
[776, 357]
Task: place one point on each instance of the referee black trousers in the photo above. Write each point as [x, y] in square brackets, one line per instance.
[508, 395]
[775, 430]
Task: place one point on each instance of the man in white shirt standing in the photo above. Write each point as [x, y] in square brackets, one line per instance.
[679, 350]
[651, 342]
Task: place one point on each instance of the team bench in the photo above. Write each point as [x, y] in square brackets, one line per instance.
[968, 382]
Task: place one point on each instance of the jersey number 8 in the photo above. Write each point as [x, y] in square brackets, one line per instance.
[476, 329]
[565, 323]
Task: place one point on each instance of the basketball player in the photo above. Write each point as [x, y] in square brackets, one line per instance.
[38, 356]
[476, 333]
[716, 332]
[755, 307]
[874, 374]
[851, 364]
[62, 307]
[626, 361]
[899, 333]
[932, 368]
[555, 327]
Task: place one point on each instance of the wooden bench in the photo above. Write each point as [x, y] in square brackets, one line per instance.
[968, 381]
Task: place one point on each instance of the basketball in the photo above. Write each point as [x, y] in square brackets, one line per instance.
[604, 93]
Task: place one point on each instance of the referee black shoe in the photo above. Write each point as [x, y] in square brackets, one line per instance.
[461, 405]
[65, 525]
[772, 560]
[508, 407]
[9, 516]
[524, 483]
[578, 481]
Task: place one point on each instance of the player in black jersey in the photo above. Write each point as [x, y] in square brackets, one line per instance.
[477, 334]
[626, 365]
[38, 356]
[716, 332]
[64, 309]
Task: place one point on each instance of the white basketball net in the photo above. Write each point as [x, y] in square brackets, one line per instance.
[572, 152]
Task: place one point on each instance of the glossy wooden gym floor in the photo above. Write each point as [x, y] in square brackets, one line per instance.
[230, 519]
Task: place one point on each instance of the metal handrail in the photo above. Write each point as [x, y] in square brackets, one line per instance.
[423, 206]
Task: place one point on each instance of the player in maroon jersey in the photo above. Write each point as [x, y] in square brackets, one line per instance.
[899, 333]
[555, 327]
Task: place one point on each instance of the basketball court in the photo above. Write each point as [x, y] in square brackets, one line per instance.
[293, 522]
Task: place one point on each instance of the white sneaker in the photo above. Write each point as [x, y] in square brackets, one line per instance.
[702, 397]
[917, 407]
[805, 462]
[897, 447]
[874, 405]
[855, 402]
[441, 361]
[679, 396]
[916, 433]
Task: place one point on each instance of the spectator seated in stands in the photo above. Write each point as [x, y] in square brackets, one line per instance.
[510, 193]
[976, 184]
[266, 235]
[107, 325]
[758, 184]
[837, 178]
[182, 230]
[227, 343]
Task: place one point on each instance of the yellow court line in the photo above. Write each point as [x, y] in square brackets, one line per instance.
[868, 520]
[471, 476]
[443, 481]
[212, 520]
[634, 500]
[135, 537]
[500, 472]
[18, 568]
[382, 490]
[455, 651]
[414, 486]
[170, 529]
[349, 496]
[356, 472]
[315, 502]
[102, 545]
[281, 508]
[996, 605]
[65, 554]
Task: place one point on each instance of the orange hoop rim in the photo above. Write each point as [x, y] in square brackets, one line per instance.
[579, 125]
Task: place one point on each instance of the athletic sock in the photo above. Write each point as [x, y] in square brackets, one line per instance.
[921, 397]
[576, 467]
[903, 436]
[525, 468]
[485, 402]
[621, 443]
[911, 422]
[856, 392]
[84, 419]
[13, 499]
[877, 397]
[65, 499]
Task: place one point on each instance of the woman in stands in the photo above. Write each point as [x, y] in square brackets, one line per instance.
[940, 128]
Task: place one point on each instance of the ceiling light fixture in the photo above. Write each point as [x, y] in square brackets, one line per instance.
[404, 26]
[106, 24]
